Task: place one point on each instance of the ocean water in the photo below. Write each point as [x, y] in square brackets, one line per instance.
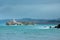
[29, 32]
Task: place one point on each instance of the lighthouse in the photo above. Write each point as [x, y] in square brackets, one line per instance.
[14, 20]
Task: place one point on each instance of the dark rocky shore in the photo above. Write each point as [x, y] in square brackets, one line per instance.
[58, 26]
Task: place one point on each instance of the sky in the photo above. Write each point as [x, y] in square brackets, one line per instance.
[36, 9]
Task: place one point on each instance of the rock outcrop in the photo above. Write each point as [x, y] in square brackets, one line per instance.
[58, 26]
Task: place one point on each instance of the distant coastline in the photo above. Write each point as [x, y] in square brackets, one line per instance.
[32, 21]
[29, 21]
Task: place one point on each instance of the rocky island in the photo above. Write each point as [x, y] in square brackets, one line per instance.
[14, 22]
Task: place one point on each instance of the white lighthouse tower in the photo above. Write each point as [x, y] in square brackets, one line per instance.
[14, 20]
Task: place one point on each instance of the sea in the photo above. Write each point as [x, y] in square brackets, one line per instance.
[29, 32]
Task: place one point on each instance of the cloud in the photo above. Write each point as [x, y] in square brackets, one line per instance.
[28, 2]
[31, 9]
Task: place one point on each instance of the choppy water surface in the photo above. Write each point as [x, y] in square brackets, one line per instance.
[28, 33]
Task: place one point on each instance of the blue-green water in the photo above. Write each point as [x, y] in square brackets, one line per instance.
[30, 32]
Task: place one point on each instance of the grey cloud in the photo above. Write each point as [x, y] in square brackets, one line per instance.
[20, 2]
[34, 9]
